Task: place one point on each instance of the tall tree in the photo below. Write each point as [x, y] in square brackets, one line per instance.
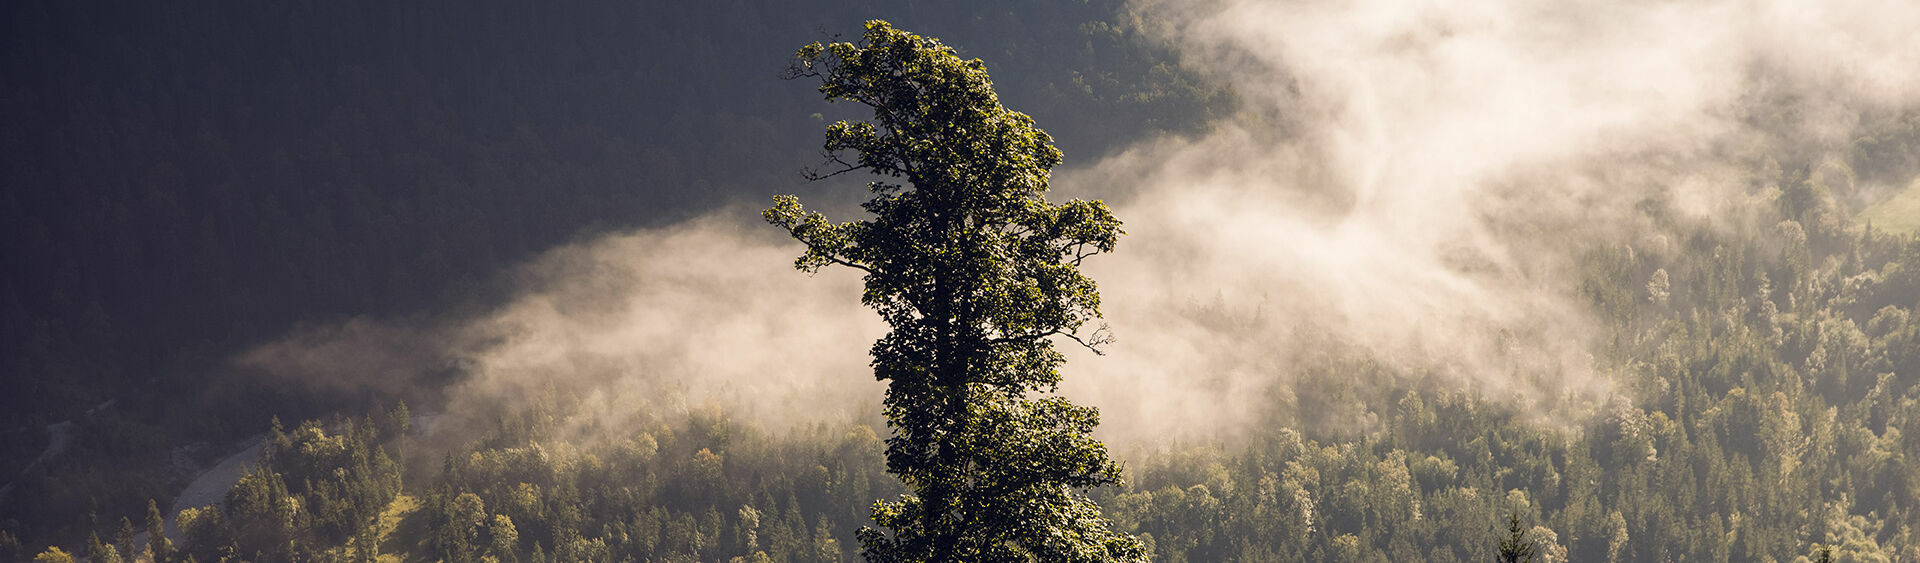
[123, 538]
[1515, 548]
[975, 272]
[158, 544]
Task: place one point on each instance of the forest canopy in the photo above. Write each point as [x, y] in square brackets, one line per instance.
[477, 281]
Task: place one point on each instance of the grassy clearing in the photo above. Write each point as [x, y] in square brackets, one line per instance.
[1897, 214]
[397, 535]
[400, 532]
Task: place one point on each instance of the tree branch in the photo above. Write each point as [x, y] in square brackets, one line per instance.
[816, 250]
[1092, 343]
[813, 175]
[1097, 340]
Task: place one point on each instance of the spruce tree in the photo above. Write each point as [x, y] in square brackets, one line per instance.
[157, 541]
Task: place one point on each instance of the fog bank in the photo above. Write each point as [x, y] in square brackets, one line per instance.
[1410, 183]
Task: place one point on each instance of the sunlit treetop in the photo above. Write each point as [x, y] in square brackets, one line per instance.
[975, 271]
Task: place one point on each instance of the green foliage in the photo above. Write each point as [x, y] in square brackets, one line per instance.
[1767, 362]
[205, 535]
[699, 487]
[101, 552]
[1772, 395]
[311, 493]
[503, 540]
[53, 555]
[457, 523]
[159, 546]
[1754, 430]
[1516, 548]
[974, 271]
[123, 538]
[227, 173]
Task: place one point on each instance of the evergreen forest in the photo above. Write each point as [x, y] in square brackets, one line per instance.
[186, 185]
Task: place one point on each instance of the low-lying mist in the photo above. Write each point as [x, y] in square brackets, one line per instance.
[1414, 184]
[637, 327]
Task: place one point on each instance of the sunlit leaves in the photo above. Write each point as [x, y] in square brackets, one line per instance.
[975, 272]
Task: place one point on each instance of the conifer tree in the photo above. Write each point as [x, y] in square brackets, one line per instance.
[123, 537]
[976, 273]
[157, 541]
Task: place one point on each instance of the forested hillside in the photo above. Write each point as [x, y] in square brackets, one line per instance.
[185, 181]
[187, 184]
[1773, 365]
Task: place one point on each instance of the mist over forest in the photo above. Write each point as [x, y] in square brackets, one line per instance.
[470, 281]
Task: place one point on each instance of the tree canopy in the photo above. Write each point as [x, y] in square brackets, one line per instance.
[975, 272]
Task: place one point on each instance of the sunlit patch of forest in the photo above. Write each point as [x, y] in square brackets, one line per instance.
[1771, 383]
[169, 207]
[1897, 213]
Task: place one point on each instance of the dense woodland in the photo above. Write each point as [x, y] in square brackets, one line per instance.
[1773, 365]
[186, 180]
[215, 174]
